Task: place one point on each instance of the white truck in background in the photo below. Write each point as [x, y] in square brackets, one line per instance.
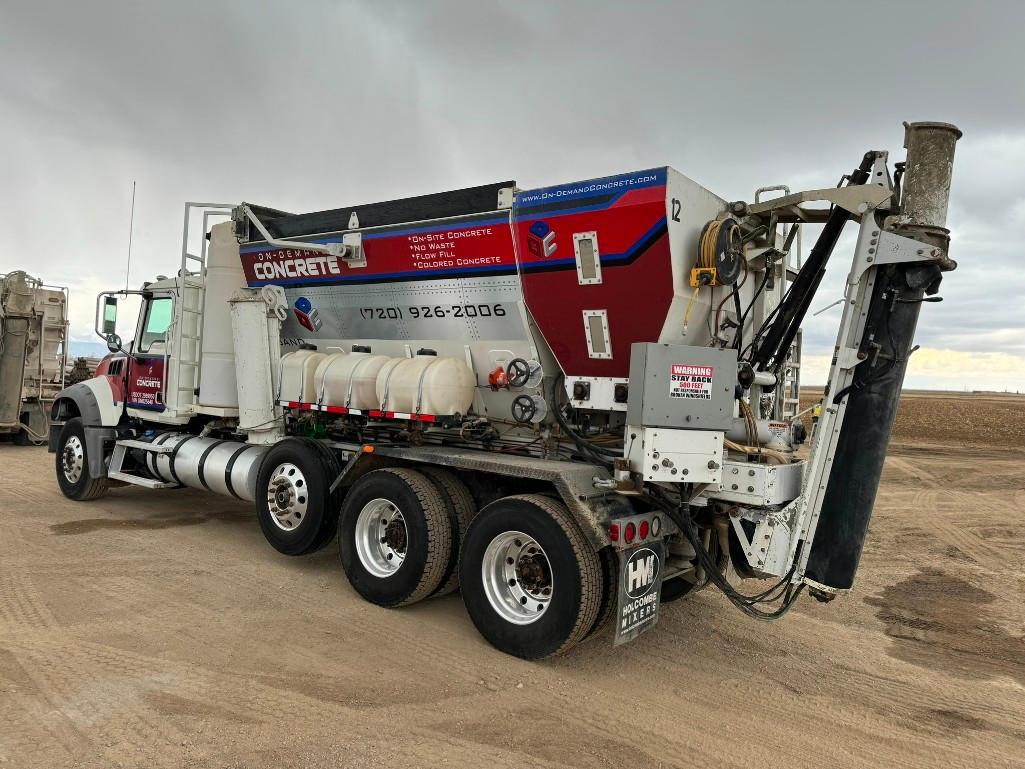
[573, 402]
[33, 354]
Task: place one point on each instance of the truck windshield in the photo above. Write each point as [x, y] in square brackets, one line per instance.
[158, 319]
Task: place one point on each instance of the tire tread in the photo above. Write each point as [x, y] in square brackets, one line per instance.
[464, 507]
[591, 576]
[92, 488]
[436, 513]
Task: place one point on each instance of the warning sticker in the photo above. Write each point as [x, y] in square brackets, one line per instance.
[693, 382]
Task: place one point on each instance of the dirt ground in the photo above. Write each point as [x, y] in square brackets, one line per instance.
[157, 629]
[958, 419]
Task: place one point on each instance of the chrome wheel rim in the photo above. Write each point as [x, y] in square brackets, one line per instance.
[381, 537]
[73, 459]
[287, 496]
[517, 578]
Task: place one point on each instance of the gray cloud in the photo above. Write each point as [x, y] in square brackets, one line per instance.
[314, 105]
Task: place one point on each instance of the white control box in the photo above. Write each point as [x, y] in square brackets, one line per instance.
[675, 456]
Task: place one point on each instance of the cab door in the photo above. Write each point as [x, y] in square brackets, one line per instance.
[147, 368]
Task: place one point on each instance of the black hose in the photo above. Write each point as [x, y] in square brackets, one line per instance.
[598, 454]
[788, 592]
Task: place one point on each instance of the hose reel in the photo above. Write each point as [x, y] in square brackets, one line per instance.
[720, 259]
[720, 254]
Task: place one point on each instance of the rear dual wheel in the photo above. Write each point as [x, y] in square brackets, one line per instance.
[395, 537]
[461, 508]
[532, 584]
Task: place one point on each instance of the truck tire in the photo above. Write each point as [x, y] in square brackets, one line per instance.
[297, 513]
[531, 582]
[609, 594]
[678, 587]
[462, 509]
[73, 465]
[395, 536]
[674, 589]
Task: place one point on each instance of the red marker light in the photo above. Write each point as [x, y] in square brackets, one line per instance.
[630, 533]
[644, 530]
[614, 532]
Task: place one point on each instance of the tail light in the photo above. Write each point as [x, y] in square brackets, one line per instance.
[630, 534]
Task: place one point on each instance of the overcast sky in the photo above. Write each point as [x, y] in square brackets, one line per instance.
[312, 105]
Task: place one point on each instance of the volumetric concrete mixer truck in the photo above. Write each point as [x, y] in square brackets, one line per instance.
[573, 403]
[33, 354]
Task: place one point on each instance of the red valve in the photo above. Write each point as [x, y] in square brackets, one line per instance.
[498, 379]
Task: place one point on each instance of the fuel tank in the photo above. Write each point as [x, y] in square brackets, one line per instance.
[223, 467]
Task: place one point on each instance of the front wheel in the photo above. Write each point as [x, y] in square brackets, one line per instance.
[531, 583]
[73, 465]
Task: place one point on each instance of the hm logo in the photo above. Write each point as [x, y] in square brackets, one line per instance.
[641, 572]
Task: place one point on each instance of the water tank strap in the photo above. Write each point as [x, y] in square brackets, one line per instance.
[323, 382]
[420, 385]
[352, 378]
[387, 388]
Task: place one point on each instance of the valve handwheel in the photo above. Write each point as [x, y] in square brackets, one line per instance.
[523, 408]
[518, 372]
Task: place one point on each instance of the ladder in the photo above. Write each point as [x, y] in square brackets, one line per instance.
[792, 381]
[193, 284]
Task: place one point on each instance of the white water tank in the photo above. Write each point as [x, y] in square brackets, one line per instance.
[426, 384]
[224, 277]
[297, 376]
[350, 380]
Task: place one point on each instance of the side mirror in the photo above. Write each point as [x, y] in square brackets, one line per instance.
[110, 319]
[113, 340]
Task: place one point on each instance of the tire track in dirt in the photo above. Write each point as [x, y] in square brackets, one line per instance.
[592, 721]
[945, 503]
[21, 604]
[24, 712]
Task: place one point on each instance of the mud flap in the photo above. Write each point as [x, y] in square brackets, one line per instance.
[640, 582]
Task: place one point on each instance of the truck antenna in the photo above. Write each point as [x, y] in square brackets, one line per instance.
[131, 228]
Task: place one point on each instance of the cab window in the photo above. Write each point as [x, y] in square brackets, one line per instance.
[158, 320]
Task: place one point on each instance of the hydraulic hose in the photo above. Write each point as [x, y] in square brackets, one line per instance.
[782, 590]
[773, 340]
[599, 454]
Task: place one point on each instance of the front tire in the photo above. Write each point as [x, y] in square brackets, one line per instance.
[297, 513]
[395, 536]
[531, 582]
[73, 465]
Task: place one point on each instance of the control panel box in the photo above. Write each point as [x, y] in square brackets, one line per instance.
[688, 388]
[686, 456]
